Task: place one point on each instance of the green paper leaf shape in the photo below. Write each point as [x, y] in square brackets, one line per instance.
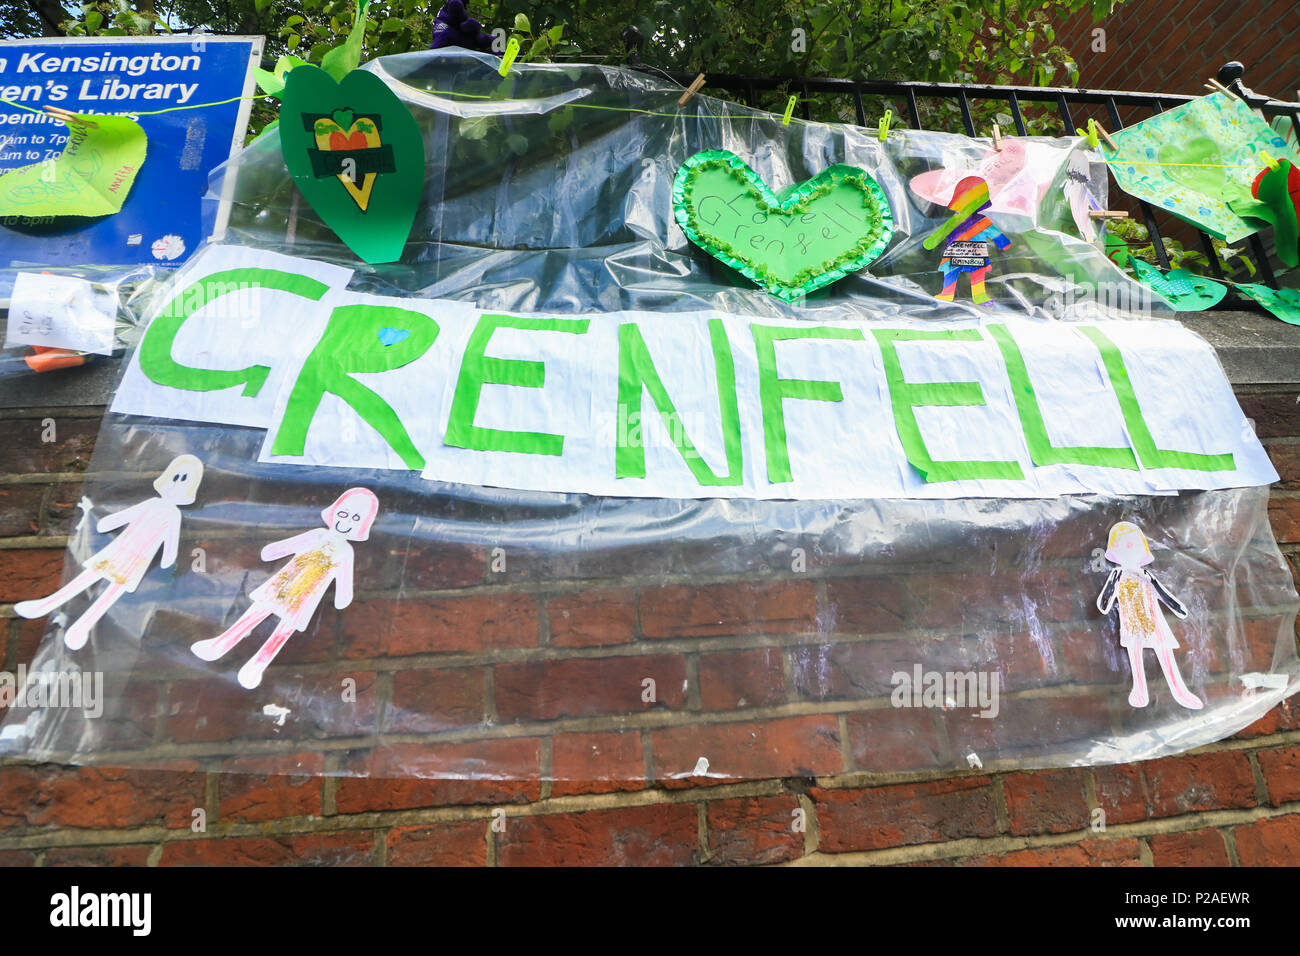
[791, 243]
[363, 179]
[91, 177]
[346, 57]
[1283, 303]
[1184, 291]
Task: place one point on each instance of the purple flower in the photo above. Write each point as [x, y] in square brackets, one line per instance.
[453, 26]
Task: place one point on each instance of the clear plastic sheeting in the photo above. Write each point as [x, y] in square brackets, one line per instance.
[80, 315]
[550, 190]
[510, 635]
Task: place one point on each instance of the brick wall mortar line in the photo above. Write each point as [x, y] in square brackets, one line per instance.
[1261, 787]
[812, 828]
[1229, 836]
[546, 768]
[70, 411]
[44, 478]
[674, 646]
[34, 542]
[653, 720]
[955, 849]
[998, 845]
[370, 820]
[1001, 813]
[1145, 857]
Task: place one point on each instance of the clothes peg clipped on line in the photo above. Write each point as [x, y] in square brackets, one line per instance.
[789, 109]
[997, 137]
[1100, 130]
[1214, 86]
[507, 61]
[1268, 159]
[66, 117]
[696, 85]
[1107, 214]
[884, 124]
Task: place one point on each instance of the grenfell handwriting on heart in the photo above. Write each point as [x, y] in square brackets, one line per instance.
[357, 156]
[790, 243]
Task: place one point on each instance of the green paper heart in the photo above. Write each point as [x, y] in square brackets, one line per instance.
[364, 178]
[1184, 291]
[791, 243]
[1283, 303]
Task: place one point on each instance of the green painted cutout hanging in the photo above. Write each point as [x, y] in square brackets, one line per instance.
[1277, 188]
[790, 243]
[1283, 303]
[1183, 290]
[91, 177]
[356, 154]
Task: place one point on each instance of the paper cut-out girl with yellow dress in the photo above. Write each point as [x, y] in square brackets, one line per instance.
[321, 556]
[150, 525]
[1138, 594]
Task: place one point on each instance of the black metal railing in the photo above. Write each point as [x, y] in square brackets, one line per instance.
[1073, 107]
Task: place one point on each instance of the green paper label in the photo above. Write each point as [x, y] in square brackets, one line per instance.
[356, 154]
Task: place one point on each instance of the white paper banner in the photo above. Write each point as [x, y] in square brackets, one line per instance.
[695, 405]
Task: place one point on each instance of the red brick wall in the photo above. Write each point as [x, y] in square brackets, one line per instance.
[1236, 802]
[1172, 46]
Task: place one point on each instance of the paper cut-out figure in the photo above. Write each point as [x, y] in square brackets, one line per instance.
[321, 556]
[969, 233]
[1138, 594]
[150, 525]
[1018, 176]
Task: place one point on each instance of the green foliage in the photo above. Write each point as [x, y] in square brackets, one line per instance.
[1136, 239]
[991, 41]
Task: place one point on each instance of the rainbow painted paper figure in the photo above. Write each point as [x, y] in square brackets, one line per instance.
[1138, 594]
[969, 233]
[150, 525]
[321, 556]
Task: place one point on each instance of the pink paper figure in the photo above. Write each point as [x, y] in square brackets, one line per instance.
[1141, 623]
[321, 556]
[1018, 176]
[149, 525]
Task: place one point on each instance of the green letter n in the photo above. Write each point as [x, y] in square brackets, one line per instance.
[637, 374]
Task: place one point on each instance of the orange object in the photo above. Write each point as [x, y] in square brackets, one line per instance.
[48, 359]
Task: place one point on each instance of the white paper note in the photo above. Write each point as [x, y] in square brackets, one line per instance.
[61, 312]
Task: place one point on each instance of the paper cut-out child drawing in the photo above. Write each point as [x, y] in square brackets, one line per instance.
[1138, 594]
[321, 556]
[968, 232]
[150, 525]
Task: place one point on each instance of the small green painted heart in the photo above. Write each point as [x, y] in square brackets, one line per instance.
[359, 131]
[791, 243]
